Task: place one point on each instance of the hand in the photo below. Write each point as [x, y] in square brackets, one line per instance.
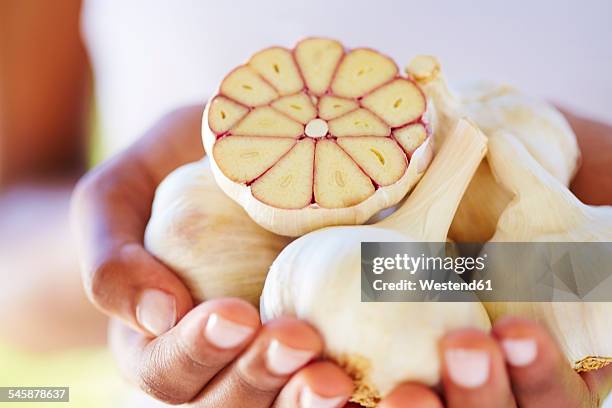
[216, 354]
[219, 355]
[593, 181]
[518, 364]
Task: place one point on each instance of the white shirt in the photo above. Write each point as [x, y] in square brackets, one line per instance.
[151, 56]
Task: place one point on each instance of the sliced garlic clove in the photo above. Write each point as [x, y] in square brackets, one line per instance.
[318, 59]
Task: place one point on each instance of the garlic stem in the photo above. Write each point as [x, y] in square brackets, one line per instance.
[429, 210]
[426, 71]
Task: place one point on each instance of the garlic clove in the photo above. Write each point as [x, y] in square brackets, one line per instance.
[298, 107]
[318, 59]
[361, 71]
[540, 127]
[544, 210]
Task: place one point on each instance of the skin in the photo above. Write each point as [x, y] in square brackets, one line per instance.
[41, 158]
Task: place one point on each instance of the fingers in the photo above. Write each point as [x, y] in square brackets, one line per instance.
[474, 371]
[177, 365]
[411, 396]
[540, 374]
[110, 211]
[319, 385]
[134, 286]
[282, 347]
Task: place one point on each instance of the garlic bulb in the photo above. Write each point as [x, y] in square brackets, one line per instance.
[544, 210]
[541, 128]
[317, 278]
[207, 239]
[315, 136]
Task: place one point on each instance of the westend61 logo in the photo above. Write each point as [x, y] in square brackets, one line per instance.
[412, 264]
[491, 272]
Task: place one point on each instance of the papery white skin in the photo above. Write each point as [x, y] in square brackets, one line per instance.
[494, 107]
[208, 239]
[318, 278]
[544, 210]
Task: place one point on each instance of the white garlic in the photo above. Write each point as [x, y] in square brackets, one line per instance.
[540, 127]
[544, 210]
[317, 278]
[207, 239]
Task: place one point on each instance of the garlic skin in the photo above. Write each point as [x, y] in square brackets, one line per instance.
[207, 239]
[318, 278]
[493, 107]
[544, 210]
[293, 223]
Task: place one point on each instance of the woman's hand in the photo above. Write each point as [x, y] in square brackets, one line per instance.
[219, 355]
[592, 183]
[216, 354]
[518, 364]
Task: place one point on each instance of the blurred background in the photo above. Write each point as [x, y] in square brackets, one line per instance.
[81, 80]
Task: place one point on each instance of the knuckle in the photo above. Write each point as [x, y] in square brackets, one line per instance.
[151, 385]
[152, 376]
[253, 382]
[186, 358]
[98, 278]
[88, 185]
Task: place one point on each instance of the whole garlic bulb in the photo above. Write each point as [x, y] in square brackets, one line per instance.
[544, 210]
[541, 128]
[208, 239]
[317, 278]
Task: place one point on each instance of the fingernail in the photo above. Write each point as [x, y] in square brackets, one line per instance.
[283, 360]
[310, 399]
[156, 311]
[224, 333]
[520, 352]
[467, 368]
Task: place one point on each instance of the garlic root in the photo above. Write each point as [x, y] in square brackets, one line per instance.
[207, 239]
[544, 210]
[315, 136]
[317, 278]
[540, 128]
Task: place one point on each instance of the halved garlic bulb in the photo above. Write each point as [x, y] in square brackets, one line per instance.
[316, 136]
